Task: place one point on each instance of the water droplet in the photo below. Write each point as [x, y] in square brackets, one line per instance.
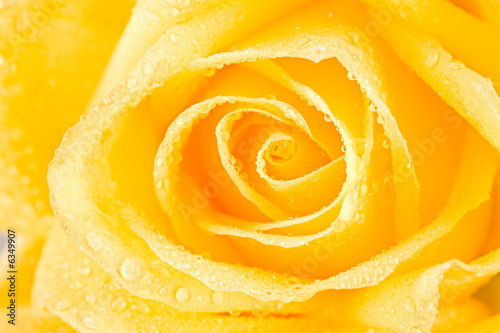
[351, 76]
[409, 304]
[182, 121]
[63, 304]
[387, 144]
[90, 298]
[174, 38]
[147, 68]
[456, 65]
[209, 72]
[244, 176]
[305, 43]
[363, 189]
[119, 304]
[132, 268]
[85, 271]
[433, 60]
[173, 11]
[320, 49]
[234, 313]
[357, 57]
[88, 322]
[143, 308]
[131, 82]
[95, 241]
[114, 285]
[182, 294]
[217, 297]
[354, 36]
[373, 107]
[75, 285]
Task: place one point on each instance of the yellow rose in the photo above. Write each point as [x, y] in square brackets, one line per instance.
[250, 166]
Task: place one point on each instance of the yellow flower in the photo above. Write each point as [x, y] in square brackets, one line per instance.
[250, 165]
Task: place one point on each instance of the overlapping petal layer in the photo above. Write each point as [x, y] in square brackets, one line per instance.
[43, 90]
[303, 179]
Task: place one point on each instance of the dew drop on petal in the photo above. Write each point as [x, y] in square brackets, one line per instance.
[387, 144]
[209, 72]
[217, 297]
[320, 49]
[119, 304]
[131, 82]
[182, 294]
[95, 241]
[90, 298]
[174, 38]
[173, 11]
[85, 271]
[409, 304]
[456, 65]
[63, 304]
[432, 60]
[88, 322]
[147, 68]
[132, 269]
